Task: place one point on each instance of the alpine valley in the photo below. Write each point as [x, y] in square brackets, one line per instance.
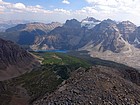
[107, 39]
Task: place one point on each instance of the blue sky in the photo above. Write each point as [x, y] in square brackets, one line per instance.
[61, 10]
[51, 4]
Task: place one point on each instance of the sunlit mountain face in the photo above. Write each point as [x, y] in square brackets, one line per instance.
[69, 52]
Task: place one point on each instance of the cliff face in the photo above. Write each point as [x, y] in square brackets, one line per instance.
[106, 36]
[14, 60]
[126, 29]
[68, 36]
[136, 37]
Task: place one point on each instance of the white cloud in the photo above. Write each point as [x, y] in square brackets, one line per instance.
[85, 11]
[118, 4]
[117, 9]
[100, 9]
[98, 2]
[62, 11]
[113, 2]
[65, 2]
[1, 9]
[22, 8]
[39, 6]
[19, 6]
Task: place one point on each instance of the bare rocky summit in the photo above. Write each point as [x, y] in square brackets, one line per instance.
[29, 34]
[97, 86]
[108, 36]
[68, 37]
[89, 22]
[126, 29]
[34, 26]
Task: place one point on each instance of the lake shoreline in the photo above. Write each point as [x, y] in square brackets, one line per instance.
[58, 51]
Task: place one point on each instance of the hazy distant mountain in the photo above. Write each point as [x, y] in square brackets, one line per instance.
[28, 34]
[14, 60]
[34, 26]
[11, 23]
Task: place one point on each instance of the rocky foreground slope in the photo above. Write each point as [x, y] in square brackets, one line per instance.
[29, 87]
[14, 60]
[66, 80]
[97, 86]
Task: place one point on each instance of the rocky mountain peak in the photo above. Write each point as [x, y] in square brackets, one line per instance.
[107, 37]
[126, 23]
[126, 29]
[91, 19]
[104, 25]
[109, 21]
[34, 26]
[72, 23]
[89, 22]
[126, 26]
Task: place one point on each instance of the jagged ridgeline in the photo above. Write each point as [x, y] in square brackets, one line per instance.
[88, 34]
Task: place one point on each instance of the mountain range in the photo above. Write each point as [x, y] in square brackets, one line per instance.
[107, 34]
[105, 39]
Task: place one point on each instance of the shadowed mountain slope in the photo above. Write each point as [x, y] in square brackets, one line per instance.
[14, 60]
